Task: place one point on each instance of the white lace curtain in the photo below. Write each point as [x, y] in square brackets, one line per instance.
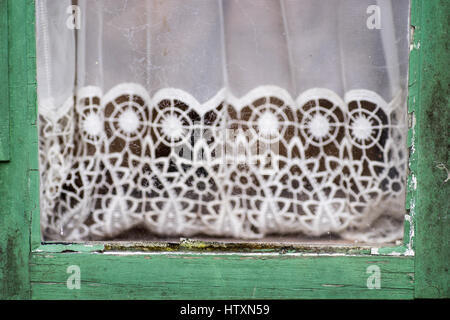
[137, 100]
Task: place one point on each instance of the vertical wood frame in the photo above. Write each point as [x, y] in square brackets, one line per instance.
[429, 107]
[19, 189]
[31, 269]
[4, 94]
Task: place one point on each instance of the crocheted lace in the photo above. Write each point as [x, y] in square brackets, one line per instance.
[231, 167]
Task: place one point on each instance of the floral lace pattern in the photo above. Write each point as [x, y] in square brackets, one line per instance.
[235, 167]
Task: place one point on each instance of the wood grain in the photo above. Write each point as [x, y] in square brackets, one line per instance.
[207, 276]
[19, 176]
[430, 103]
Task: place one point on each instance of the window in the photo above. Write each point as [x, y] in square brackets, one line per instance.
[241, 119]
[415, 268]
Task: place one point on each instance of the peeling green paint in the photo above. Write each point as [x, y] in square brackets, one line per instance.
[188, 245]
[429, 100]
[16, 197]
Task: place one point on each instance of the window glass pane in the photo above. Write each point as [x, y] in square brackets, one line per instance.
[252, 119]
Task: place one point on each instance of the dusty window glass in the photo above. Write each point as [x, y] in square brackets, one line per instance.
[222, 119]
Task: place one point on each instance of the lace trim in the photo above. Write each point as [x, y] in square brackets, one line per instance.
[239, 167]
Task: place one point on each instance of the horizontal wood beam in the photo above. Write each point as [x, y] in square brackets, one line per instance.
[219, 276]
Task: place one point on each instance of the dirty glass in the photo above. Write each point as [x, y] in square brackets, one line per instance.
[232, 120]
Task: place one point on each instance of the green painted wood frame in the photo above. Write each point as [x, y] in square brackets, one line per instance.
[31, 269]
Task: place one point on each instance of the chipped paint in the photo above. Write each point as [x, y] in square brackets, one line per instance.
[414, 181]
[185, 245]
[442, 166]
[241, 254]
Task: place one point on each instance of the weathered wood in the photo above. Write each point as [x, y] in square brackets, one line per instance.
[208, 276]
[430, 102]
[18, 176]
[4, 93]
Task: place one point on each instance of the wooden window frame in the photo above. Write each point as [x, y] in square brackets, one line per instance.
[32, 269]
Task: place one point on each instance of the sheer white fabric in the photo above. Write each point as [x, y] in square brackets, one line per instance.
[237, 118]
